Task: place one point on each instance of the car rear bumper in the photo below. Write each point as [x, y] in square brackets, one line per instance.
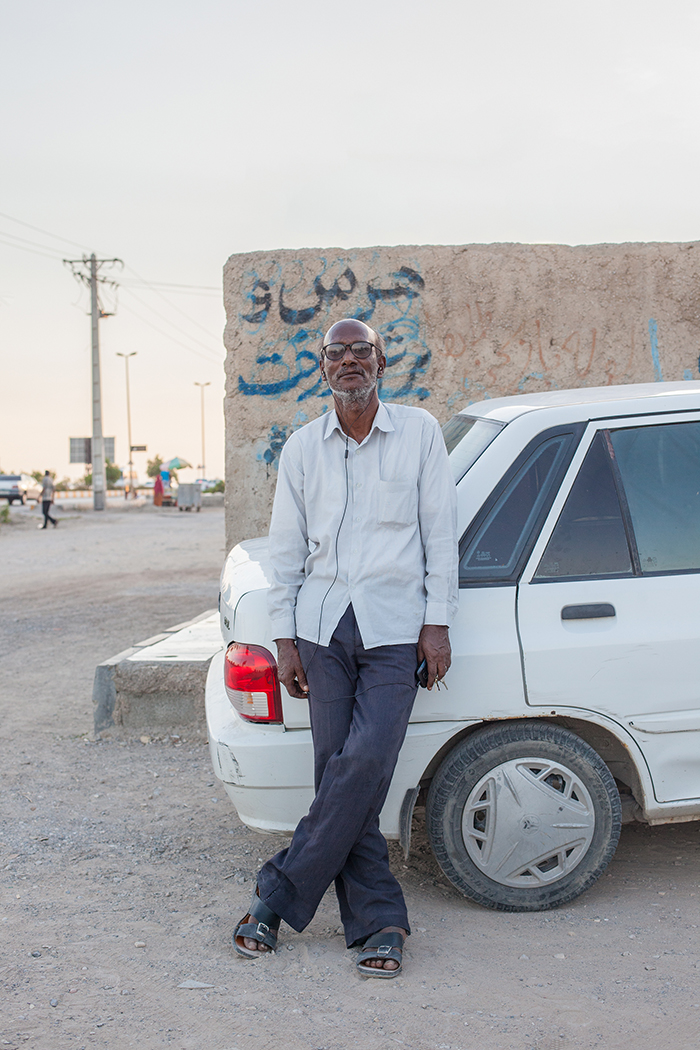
[267, 771]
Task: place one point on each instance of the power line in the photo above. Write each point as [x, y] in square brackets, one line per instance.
[104, 280]
[172, 338]
[82, 278]
[168, 321]
[47, 233]
[173, 306]
[22, 248]
[170, 284]
[77, 244]
[24, 240]
[46, 251]
[207, 293]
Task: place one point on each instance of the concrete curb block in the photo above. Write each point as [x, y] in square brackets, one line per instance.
[136, 693]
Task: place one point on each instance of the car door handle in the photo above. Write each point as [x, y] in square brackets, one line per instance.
[587, 612]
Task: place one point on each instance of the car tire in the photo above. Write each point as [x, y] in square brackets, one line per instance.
[523, 816]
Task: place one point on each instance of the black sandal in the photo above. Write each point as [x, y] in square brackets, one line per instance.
[381, 946]
[264, 929]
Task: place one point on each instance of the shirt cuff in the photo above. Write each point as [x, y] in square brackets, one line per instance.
[438, 613]
[284, 626]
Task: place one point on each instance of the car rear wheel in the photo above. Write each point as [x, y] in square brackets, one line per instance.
[523, 816]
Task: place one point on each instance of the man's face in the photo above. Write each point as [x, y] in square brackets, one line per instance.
[352, 378]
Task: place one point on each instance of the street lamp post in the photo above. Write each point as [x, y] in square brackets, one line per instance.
[201, 386]
[128, 420]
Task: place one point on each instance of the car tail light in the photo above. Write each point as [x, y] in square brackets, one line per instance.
[252, 685]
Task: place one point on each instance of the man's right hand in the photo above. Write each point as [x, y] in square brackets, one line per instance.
[289, 669]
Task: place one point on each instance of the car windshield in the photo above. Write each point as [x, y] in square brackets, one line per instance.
[466, 438]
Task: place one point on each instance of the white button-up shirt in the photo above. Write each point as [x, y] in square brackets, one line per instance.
[373, 524]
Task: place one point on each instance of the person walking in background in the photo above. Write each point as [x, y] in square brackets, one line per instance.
[158, 491]
[47, 490]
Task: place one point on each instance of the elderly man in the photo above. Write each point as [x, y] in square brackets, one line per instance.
[364, 564]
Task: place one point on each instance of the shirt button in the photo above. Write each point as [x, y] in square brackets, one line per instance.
[358, 519]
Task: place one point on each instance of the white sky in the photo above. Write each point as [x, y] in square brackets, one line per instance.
[172, 134]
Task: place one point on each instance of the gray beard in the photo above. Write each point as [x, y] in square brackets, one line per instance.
[355, 398]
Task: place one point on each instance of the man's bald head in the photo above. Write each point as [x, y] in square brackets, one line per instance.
[351, 330]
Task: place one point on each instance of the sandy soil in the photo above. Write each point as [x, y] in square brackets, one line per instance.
[124, 867]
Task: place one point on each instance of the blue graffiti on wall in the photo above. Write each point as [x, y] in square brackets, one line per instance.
[654, 343]
[276, 364]
[269, 448]
[305, 306]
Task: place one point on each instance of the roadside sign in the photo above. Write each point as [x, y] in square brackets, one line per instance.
[81, 450]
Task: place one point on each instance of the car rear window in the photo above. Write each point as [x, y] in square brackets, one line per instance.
[10, 477]
[466, 437]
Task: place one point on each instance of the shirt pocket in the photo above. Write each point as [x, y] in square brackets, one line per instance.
[398, 503]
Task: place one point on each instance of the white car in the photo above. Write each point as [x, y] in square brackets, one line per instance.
[19, 487]
[573, 700]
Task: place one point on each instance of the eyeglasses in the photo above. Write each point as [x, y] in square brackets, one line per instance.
[336, 351]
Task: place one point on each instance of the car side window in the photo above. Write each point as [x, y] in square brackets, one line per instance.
[660, 469]
[493, 551]
[589, 538]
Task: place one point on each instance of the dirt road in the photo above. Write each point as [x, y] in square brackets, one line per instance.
[124, 867]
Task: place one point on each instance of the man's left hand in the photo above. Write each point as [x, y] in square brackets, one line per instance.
[434, 647]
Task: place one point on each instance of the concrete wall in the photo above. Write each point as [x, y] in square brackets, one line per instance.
[461, 324]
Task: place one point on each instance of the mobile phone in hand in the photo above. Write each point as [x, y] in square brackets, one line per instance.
[422, 674]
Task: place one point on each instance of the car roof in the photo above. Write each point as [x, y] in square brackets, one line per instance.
[593, 400]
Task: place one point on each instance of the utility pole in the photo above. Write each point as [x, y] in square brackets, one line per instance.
[99, 474]
[128, 421]
[201, 386]
[90, 278]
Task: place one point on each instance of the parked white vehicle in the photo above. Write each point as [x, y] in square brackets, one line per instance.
[19, 487]
[573, 700]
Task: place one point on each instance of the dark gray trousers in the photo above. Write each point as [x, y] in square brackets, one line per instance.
[46, 509]
[359, 701]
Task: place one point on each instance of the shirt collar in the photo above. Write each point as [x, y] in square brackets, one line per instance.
[381, 421]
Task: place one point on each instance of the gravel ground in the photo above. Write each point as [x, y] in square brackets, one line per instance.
[124, 867]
